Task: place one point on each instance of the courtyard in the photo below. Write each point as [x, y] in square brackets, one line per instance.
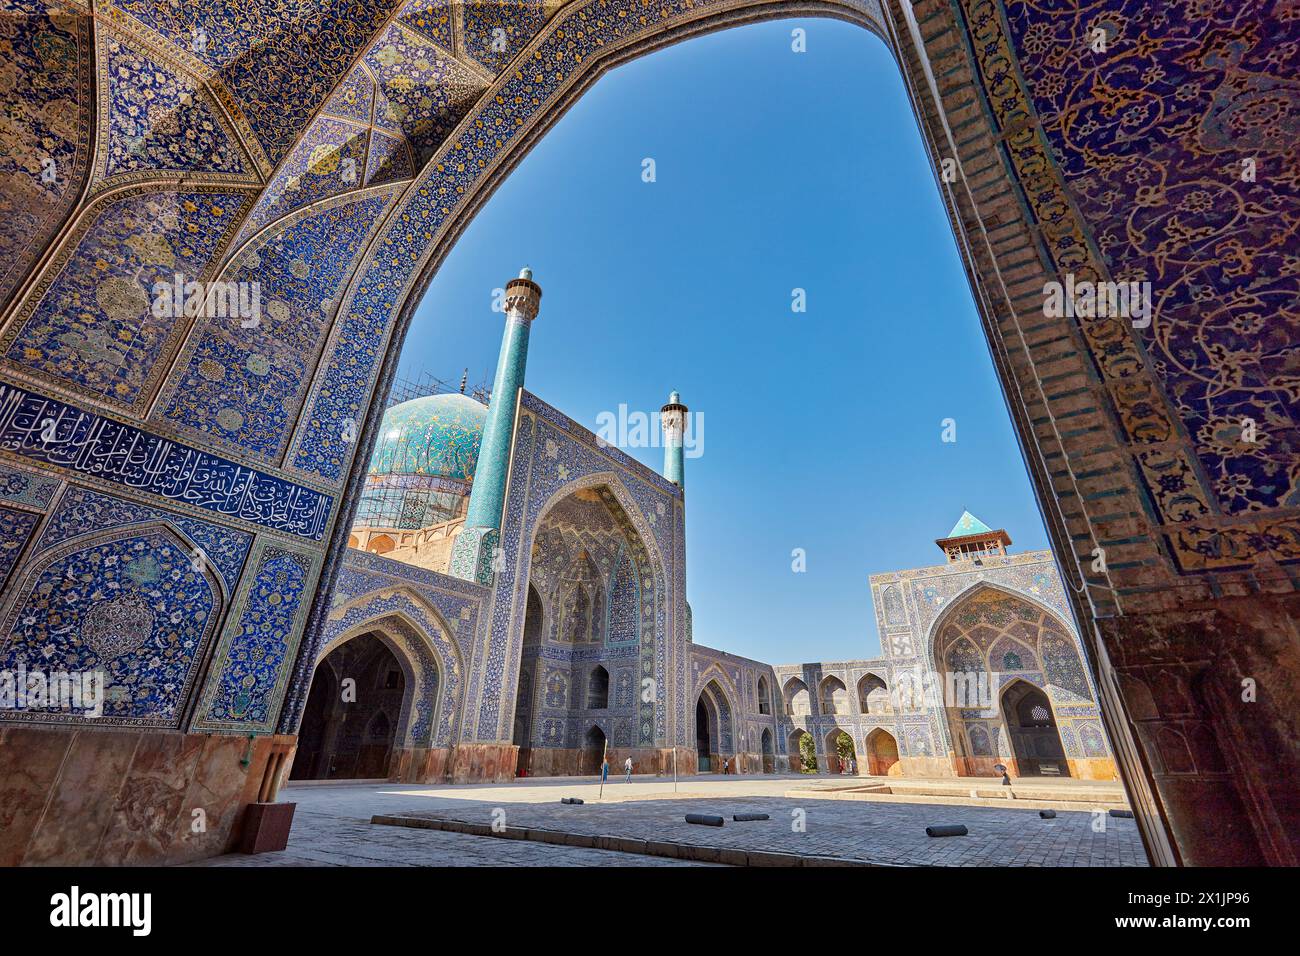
[812, 821]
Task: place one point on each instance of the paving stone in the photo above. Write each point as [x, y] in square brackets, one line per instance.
[332, 828]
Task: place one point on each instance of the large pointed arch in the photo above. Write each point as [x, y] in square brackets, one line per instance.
[713, 703]
[1020, 220]
[873, 695]
[987, 638]
[420, 613]
[976, 588]
[420, 620]
[622, 506]
[796, 697]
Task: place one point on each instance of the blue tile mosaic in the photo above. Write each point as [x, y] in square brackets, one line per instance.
[51, 432]
[253, 662]
[94, 326]
[129, 604]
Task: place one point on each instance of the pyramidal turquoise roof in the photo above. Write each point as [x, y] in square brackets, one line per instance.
[968, 524]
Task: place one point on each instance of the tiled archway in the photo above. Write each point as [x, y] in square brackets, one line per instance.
[1178, 534]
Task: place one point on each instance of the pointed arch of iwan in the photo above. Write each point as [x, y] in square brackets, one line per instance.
[419, 639]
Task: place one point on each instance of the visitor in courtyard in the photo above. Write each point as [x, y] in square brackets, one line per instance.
[604, 770]
[627, 765]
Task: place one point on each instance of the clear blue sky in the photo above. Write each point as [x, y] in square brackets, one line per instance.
[775, 170]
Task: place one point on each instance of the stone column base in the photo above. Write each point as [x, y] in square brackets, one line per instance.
[77, 797]
[923, 767]
[1210, 692]
[1093, 768]
[466, 763]
[420, 765]
[483, 763]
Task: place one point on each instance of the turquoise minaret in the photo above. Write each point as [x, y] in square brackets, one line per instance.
[672, 417]
[472, 555]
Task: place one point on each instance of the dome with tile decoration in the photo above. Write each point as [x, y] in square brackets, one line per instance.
[436, 436]
[423, 464]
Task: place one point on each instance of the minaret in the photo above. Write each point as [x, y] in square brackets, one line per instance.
[672, 417]
[472, 554]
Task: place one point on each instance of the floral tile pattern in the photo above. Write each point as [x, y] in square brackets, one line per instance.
[330, 159]
[1153, 139]
[244, 386]
[423, 91]
[353, 99]
[389, 160]
[497, 30]
[252, 662]
[15, 528]
[431, 18]
[94, 327]
[159, 120]
[46, 105]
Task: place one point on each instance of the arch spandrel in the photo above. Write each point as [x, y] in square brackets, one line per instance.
[114, 350]
[715, 674]
[301, 267]
[83, 513]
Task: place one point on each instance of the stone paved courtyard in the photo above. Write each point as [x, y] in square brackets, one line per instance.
[322, 839]
[332, 828]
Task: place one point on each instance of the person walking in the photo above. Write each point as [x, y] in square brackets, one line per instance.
[627, 765]
[604, 770]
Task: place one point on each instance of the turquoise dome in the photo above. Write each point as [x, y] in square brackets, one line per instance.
[437, 436]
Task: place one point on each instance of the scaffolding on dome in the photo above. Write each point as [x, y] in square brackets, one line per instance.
[401, 497]
[424, 383]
